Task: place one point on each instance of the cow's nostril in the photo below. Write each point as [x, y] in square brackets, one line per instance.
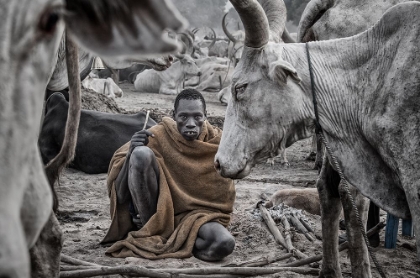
[217, 165]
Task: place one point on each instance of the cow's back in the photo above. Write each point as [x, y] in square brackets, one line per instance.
[147, 81]
[100, 134]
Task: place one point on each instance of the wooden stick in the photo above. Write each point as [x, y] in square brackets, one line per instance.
[300, 227]
[306, 225]
[261, 261]
[286, 225]
[135, 270]
[124, 270]
[76, 267]
[73, 261]
[272, 226]
[147, 119]
[275, 231]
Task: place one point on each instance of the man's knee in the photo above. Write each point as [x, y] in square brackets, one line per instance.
[142, 156]
[214, 242]
[224, 246]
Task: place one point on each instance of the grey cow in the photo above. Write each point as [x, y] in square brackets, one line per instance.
[30, 33]
[367, 88]
[170, 81]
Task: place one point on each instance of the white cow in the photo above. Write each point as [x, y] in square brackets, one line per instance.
[30, 33]
[367, 89]
[216, 73]
[106, 86]
[170, 81]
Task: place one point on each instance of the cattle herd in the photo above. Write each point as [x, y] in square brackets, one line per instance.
[354, 72]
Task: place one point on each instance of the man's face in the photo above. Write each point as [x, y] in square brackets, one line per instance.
[189, 117]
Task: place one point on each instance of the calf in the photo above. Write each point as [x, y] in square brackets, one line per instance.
[306, 199]
[100, 134]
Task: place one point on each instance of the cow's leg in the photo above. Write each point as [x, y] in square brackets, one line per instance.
[312, 154]
[284, 160]
[320, 150]
[327, 185]
[413, 198]
[45, 254]
[358, 251]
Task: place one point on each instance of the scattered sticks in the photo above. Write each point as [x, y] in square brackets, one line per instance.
[342, 247]
[185, 272]
[80, 269]
[276, 233]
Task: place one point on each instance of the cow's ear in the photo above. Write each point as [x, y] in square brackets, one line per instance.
[280, 70]
[123, 27]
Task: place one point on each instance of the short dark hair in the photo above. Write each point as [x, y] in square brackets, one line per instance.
[189, 94]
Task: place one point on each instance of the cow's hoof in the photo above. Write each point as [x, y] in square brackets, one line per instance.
[285, 165]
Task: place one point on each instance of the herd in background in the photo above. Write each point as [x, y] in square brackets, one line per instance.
[205, 62]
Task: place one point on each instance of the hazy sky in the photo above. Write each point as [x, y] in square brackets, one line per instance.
[208, 13]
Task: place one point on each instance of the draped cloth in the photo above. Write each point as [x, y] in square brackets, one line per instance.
[191, 193]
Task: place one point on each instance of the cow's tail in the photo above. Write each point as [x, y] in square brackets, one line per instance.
[66, 154]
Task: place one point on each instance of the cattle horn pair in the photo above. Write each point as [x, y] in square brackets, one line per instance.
[263, 22]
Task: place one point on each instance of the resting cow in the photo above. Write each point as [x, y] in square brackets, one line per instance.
[100, 134]
[167, 82]
[30, 33]
[367, 88]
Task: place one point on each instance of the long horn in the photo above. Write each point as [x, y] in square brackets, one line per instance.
[214, 39]
[189, 43]
[225, 30]
[276, 13]
[313, 11]
[255, 22]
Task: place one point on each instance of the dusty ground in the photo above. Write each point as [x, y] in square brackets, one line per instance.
[84, 209]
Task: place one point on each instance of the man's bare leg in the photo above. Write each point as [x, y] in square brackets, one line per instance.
[213, 243]
[143, 182]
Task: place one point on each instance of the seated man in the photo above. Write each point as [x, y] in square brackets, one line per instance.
[165, 193]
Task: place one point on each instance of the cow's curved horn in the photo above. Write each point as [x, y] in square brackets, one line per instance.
[225, 30]
[189, 43]
[255, 22]
[276, 13]
[214, 38]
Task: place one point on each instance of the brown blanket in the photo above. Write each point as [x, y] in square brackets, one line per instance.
[191, 194]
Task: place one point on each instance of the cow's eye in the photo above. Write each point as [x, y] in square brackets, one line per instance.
[49, 20]
[239, 89]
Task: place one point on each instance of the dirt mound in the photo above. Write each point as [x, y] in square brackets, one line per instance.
[91, 100]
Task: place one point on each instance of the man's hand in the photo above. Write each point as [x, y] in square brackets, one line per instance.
[140, 138]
